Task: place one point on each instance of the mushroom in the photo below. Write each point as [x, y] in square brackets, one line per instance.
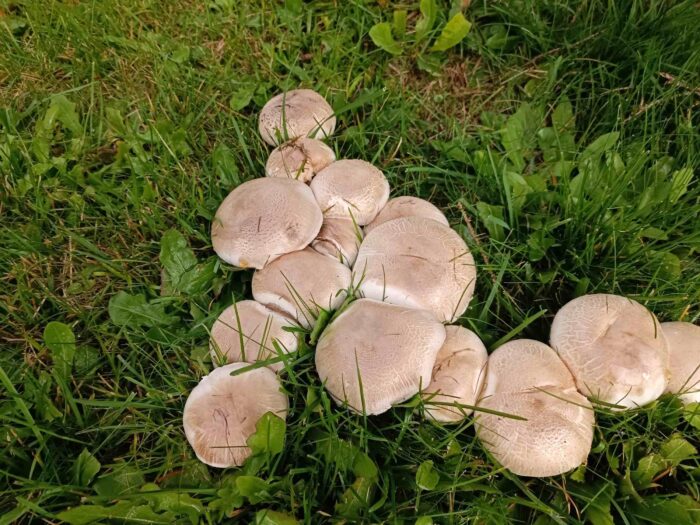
[248, 331]
[417, 263]
[301, 283]
[684, 348]
[340, 239]
[222, 410]
[539, 425]
[407, 207]
[458, 375]
[263, 219]
[614, 348]
[300, 159]
[296, 113]
[374, 355]
[351, 189]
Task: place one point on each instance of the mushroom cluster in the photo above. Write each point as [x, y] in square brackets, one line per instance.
[324, 237]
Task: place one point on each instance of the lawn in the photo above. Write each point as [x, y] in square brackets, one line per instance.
[561, 139]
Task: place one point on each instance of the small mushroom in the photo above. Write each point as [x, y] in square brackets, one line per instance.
[407, 207]
[301, 283]
[340, 239]
[222, 410]
[417, 263]
[248, 331]
[263, 219]
[300, 159]
[351, 189]
[555, 432]
[614, 348]
[458, 375]
[684, 347]
[374, 355]
[296, 113]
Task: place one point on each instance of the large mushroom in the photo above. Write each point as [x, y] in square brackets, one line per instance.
[407, 207]
[248, 331]
[296, 113]
[614, 348]
[299, 159]
[263, 219]
[417, 263]
[301, 283]
[538, 424]
[222, 410]
[339, 238]
[374, 355]
[684, 347]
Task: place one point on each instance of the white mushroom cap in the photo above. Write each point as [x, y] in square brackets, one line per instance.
[296, 113]
[257, 328]
[407, 207]
[684, 346]
[377, 353]
[351, 188]
[340, 239]
[300, 283]
[614, 348]
[417, 263]
[300, 159]
[458, 375]
[222, 410]
[265, 218]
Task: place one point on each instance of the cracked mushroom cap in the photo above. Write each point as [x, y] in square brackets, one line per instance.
[299, 159]
[247, 331]
[340, 239]
[263, 219]
[222, 410]
[407, 207]
[684, 347]
[296, 113]
[417, 263]
[614, 348]
[458, 375]
[300, 283]
[379, 353]
[351, 188]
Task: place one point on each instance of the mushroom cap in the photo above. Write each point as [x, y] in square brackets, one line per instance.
[417, 263]
[300, 159]
[684, 347]
[222, 410]
[296, 113]
[340, 239]
[458, 375]
[555, 438]
[257, 327]
[263, 219]
[300, 283]
[351, 188]
[377, 353]
[614, 348]
[407, 207]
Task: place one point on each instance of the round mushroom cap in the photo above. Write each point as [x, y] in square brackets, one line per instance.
[374, 355]
[248, 331]
[222, 410]
[407, 207]
[340, 239]
[296, 113]
[417, 263]
[300, 283]
[263, 219]
[458, 375]
[684, 347]
[299, 159]
[351, 188]
[555, 437]
[614, 347]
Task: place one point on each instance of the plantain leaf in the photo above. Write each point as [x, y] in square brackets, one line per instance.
[382, 38]
[453, 33]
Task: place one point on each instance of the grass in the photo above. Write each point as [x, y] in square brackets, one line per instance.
[122, 121]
